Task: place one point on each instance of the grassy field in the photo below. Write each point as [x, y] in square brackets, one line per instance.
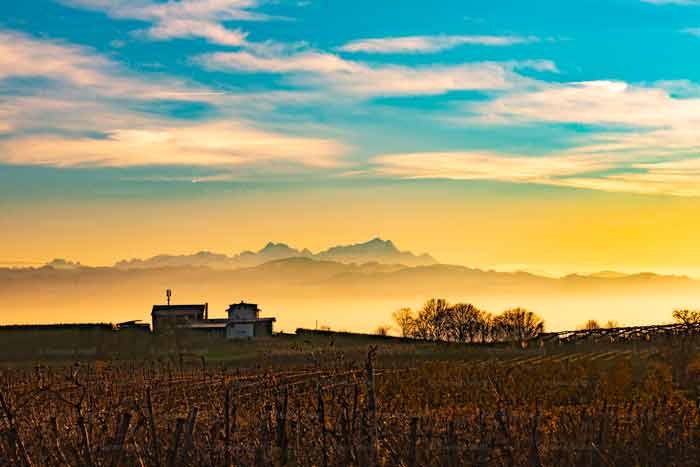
[355, 400]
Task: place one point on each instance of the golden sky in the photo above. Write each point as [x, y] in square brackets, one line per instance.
[554, 231]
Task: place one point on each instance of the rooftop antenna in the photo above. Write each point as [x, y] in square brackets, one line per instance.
[168, 294]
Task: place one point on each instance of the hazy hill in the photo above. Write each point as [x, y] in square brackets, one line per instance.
[301, 291]
[373, 251]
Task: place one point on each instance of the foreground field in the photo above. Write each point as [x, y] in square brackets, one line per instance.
[326, 401]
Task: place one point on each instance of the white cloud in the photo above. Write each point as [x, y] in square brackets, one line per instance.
[210, 144]
[94, 75]
[213, 32]
[428, 44]
[182, 19]
[486, 166]
[656, 124]
[89, 94]
[594, 102]
[692, 31]
[331, 72]
[311, 62]
[672, 2]
[567, 169]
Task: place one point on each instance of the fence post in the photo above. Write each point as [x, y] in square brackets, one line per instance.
[413, 443]
[371, 409]
[282, 428]
[13, 430]
[322, 421]
[227, 428]
[121, 436]
[152, 427]
[172, 456]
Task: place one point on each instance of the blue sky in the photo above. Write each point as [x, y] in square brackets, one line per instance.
[593, 95]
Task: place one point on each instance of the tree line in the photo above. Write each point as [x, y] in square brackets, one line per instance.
[438, 320]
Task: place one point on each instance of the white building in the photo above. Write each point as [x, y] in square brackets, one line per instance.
[244, 321]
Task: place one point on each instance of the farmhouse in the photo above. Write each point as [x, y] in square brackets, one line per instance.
[243, 320]
[177, 316]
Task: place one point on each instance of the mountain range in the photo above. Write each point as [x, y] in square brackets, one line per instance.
[353, 287]
[373, 251]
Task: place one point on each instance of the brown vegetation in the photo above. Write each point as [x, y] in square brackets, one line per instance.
[403, 404]
[437, 320]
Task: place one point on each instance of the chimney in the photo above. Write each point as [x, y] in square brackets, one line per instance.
[206, 311]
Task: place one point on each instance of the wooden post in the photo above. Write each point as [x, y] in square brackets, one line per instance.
[371, 409]
[535, 460]
[282, 428]
[57, 443]
[227, 428]
[322, 422]
[451, 445]
[119, 441]
[17, 439]
[412, 461]
[152, 427]
[189, 436]
[85, 438]
[172, 456]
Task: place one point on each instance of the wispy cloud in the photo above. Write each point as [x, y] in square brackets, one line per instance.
[593, 102]
[486, 166]
[218, 145]
[429, 44]
[182, 19]
[655, 122]
[672, 2]
[331, 72]
[84, 117]
[568, 169]
[24, 56]
[691, 31]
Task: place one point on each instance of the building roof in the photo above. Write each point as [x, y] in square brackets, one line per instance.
[174, 309]
[130, 323]
[58, 327]
[206, 325]
[244, 304]
[233, 322]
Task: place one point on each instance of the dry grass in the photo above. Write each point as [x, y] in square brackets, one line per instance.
[327, 402]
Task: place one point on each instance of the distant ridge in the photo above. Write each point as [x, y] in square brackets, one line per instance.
[608, 275]
[373, 251]
[308, 287]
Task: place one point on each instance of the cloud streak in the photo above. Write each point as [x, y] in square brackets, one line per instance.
[568, 169]
[334, 73]
[84, 117]
[673, 2]
[217, 145]
[486, 166]
[429, 44]
[24, 56]
[183, 19]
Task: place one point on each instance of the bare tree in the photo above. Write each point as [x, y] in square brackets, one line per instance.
[519, 324]
[591, 324]
[687, 317]
[383, 330]
[465, 322]
[432, 321]
[405, 320]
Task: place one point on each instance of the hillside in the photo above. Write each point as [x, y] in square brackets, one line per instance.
[375, 250]
[358, 297]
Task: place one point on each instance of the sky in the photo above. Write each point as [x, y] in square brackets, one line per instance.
[544, 135]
